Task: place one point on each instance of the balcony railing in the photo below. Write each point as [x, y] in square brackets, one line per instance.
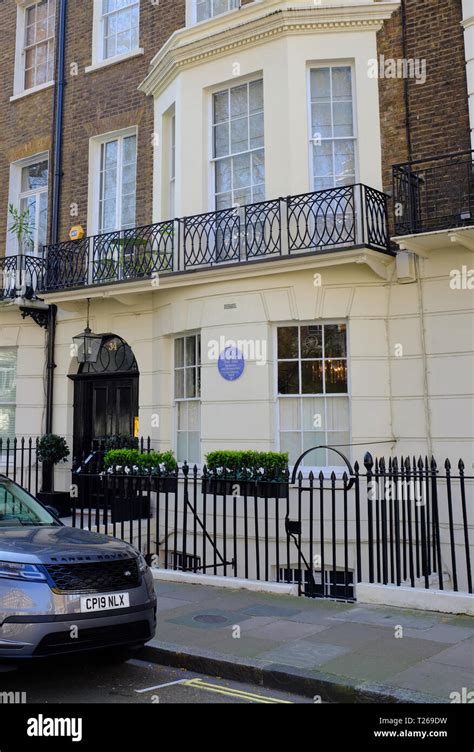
[434, 194]
[21, 276]
[313, 223]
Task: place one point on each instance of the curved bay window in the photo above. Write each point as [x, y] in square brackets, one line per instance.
[313, 390]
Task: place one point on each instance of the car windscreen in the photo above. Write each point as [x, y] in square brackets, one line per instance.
[17, 508]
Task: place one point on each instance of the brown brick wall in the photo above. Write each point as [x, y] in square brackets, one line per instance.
[25, 125]
[107, 100]
[439, 117]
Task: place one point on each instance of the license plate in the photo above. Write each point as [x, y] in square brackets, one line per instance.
[91, 603]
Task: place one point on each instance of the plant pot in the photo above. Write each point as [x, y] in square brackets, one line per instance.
[220, 487]
[165, 484]
[126, 509]
[59, 500]
[272, 489]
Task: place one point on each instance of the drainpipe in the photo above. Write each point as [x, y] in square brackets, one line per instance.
[468, 26]
[58, 121]
[406, 90]
[54, 226]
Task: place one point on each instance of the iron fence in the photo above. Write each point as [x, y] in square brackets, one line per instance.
[317, 222]
[434, 194]
[397, 522]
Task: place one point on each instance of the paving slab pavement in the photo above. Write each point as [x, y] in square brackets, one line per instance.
[339, 652]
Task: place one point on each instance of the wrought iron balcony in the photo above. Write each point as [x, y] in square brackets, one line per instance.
[312, 223]
[434, 194]
[21, 277]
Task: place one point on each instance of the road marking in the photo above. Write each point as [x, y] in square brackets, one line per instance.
[229, 691]
[160, 686]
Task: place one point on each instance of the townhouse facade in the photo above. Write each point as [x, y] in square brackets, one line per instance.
[252, 282]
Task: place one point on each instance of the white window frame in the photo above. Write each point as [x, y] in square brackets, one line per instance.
[180, 400]
[227, 86]
[15, 194]
[19, 89]
[339, 470]
[354, 138]
[172, 162]
[95, 148]
[191, 11]
[98, 41]
[15, 403]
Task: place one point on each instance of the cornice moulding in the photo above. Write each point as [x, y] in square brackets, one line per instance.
[187, 46]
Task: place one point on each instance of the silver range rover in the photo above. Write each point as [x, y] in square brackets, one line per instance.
[65, 590]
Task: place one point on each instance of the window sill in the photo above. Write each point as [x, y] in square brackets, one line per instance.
[33, 90]
[114, 60]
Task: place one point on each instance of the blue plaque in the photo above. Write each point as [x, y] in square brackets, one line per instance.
[231, 364]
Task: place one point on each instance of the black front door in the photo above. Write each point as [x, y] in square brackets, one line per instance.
[103, 406]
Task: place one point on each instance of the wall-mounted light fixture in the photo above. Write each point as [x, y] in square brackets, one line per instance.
[87, 345]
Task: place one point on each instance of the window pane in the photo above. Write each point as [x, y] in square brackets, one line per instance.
[341, 83]
[182, 447]
[256, 131]
[182, 416]
[336, 377]
[322, 120]
[288, 378]
[191, 383]
[221, 140]
[241, 171]
[238, 101]
[256, 96]
[335, 341]
[7, 422]
[320, 84]
[287, 342]
[314, 414]
[239, 136]
[343, 125]
[34, 176]
[193, 415]
[179, 384]
[223, 175]
[311, 341]
[291, 443]
[337, 411]
[312, 377]
[221, 107]
[190, 351]
[344, 158]
[319, 458]
[7, 374]
[179, 353]
[194, 454]
[290, 418]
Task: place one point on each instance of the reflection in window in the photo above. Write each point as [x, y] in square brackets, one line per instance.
[208, 8]
[8, 359]
[313, 391]
[332, 122]
[33, 199]
[238, 138]
[121, 26]
[187, 380]
[39, 43]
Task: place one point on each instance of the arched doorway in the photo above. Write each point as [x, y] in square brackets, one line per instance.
[105, 395]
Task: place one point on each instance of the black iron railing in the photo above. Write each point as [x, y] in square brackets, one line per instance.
[319, 222]
[434, 194]
[21, 276]
[406, 522]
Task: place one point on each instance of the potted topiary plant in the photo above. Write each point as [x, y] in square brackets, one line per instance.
[51, 450]
[263, 474]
